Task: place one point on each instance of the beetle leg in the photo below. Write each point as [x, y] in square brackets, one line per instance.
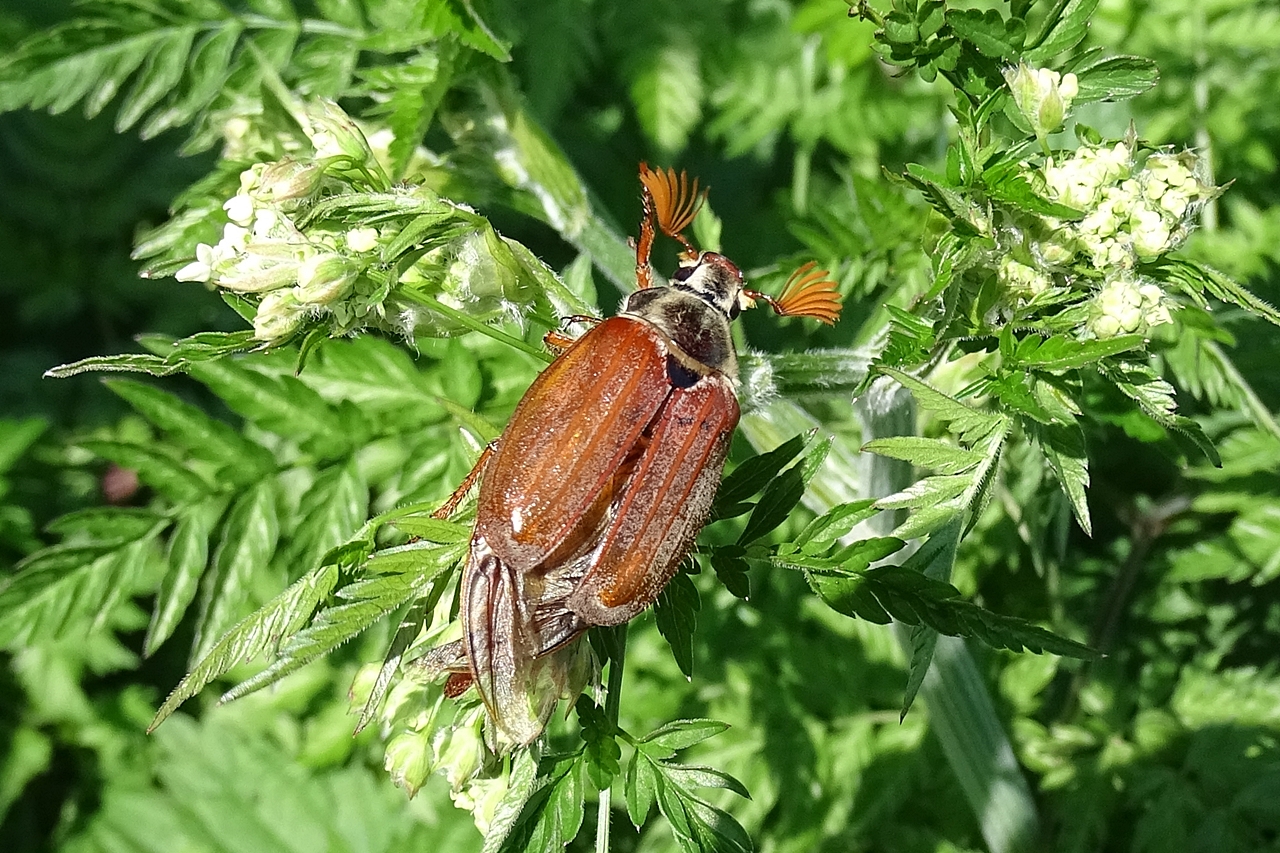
[558, 342]
[644, 272]
[450, 506]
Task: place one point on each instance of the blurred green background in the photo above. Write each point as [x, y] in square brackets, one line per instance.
[1170, 743]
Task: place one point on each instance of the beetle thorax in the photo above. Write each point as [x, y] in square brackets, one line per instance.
[694, 311]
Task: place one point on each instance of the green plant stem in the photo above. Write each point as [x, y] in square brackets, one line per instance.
[474, 324]
[612, 702]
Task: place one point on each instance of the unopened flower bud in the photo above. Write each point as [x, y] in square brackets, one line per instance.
[362, 239]
[409, 760]
[279, 315]
[259, 268]
[288, 179]
[1042, 96]
[325, 278]
[1123, 307]
[334, 134]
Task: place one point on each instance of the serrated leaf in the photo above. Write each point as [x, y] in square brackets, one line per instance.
[676, 613]
[432, 529]
[1114, 79]
[1064, 450]
[161, 472]
[282, 405]
[781, 496]
[667, 91]
[195, 431]
[928, 453]
[676, 735]
[755, 473]
[934, 559]
[988, 31]
[332, 510]
[1058, 354]
[970, 424]
[910, 597]
[690, 776]
[361, 604]
[245, 546]
[257, 633]
[520, 785]
[839, 521]
[187, 559]
[731, 568]
[1063, 32]
[136, 363]
[641, 788]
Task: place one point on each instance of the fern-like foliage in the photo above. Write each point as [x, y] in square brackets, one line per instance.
[176, 63]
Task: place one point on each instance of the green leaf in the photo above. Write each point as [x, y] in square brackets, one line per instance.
[433, 529]
[824, 530]
[552, 815]
[282, 405]
[188, 557]
[731, 568]
[988, 31]
[780, 497]
[641, 788]
[362, 604]
[161, 471]
[1060, 354]
[753, 474]
[934, 559]
[1064, 450]
[667, 740]
[930, 453]
[1062, 32]
[136, 363]
[909, 597]
[259, 632]
[676, 612]
[206, 438]
[970, 424]
[16, 437]
[1116, 78]
[332, 510]
[248, 541]
[667, 91]
[521, 784]
[1157, 400]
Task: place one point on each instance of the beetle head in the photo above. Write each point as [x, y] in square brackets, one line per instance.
[714, 279]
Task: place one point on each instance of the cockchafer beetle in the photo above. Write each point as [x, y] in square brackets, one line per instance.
[606, 473]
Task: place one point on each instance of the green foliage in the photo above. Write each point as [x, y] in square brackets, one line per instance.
[1070, 345]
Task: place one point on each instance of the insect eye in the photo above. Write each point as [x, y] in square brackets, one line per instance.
[682, 273]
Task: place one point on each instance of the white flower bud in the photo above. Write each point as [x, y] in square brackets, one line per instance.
[239, 209]
[234, 238]
[288, 179]
[324, 278]
[1042, 96]
[334, 134]
[408, 759]
[1151, 233]
[278, 316]
[362, 239]
[207, 265]
[261, 267]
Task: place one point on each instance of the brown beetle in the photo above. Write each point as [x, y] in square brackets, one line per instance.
[607, 470]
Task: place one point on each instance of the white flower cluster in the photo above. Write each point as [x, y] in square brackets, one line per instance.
[1127, 306]
[1131, 214]
[262, 251]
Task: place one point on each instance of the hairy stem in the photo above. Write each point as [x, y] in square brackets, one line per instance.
[612, 702]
